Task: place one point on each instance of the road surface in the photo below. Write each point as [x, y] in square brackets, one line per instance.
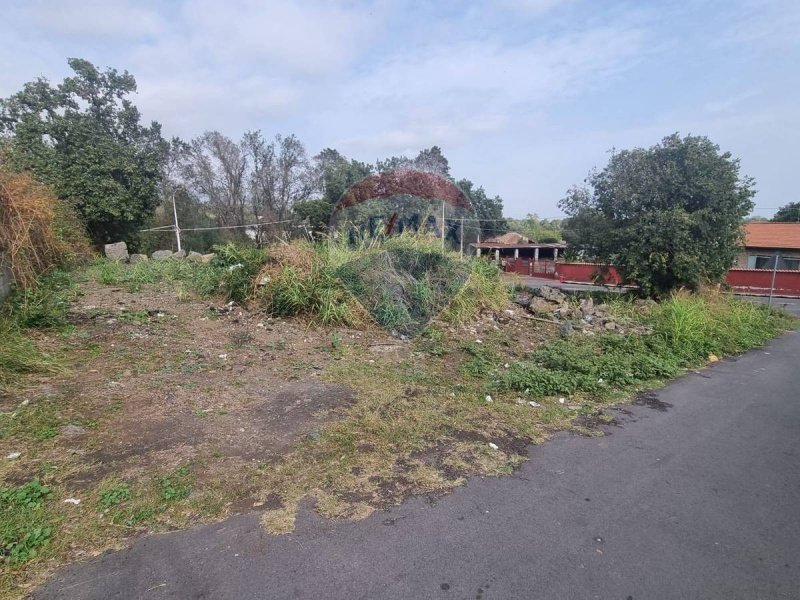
[694, 494]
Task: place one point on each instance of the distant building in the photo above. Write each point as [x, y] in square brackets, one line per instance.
[516, 245]
[765, 241]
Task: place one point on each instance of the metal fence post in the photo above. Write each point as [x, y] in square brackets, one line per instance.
[774, 272]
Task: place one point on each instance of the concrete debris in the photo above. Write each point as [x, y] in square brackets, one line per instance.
[118, 251]
[575, 314]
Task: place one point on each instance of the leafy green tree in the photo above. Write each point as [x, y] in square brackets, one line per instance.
[788, 213]
[488, 210]
[665, 216]
[84, 137]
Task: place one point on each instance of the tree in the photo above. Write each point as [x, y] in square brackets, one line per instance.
[215, 169]
[281, 176]
[488, 210]
[665, 216]
[788, 213]
[84, 137]
[333, 174]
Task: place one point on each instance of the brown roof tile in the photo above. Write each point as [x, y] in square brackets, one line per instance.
[772, 235]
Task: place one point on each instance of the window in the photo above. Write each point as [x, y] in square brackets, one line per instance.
[760, 261]
[790, 264]
[765, 261]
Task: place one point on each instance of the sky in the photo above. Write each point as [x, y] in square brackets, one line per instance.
[524, 97]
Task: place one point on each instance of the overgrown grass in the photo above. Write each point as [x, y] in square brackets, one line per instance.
[400, 283]
[229, 274]
[687, 330]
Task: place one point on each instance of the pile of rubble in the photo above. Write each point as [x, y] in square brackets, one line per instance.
[119, 251]
[582, 314]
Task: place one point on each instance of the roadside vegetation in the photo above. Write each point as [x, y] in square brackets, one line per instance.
[156, 395]
[465, 397]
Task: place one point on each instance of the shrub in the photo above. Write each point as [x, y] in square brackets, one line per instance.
[37, 231]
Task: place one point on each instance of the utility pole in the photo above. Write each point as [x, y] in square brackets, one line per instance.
[462, 238]
[443, 224]
[175, 214]
[774, 272]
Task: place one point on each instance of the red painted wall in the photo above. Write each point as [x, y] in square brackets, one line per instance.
[586, 273]
[758, 281]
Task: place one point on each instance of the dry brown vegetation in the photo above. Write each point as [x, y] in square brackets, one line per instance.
[37, 231]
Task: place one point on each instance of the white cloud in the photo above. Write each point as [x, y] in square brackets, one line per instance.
[93, 18]
[450, 93]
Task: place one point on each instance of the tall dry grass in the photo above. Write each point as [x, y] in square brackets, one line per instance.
[37, 230]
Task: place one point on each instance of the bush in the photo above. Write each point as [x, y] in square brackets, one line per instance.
[37, 231]
[401, 282]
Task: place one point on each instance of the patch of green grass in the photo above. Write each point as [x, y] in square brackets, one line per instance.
[112, 496]
[687, 329]
[230, 274]
[26, 526]
[43, 305]
[19, 355]
[134, 316]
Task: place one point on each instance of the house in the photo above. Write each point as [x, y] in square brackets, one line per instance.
[519, 254]
[765, 241]
[516, 245]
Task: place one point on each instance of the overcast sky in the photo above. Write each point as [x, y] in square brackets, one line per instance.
[523, 96]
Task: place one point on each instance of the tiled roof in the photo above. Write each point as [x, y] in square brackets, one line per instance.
[773, 235]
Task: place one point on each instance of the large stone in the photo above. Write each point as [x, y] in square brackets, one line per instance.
[195, 256]
[179, 254]
[551, 294]
[523, 299]
[118, 251]
[540, 306]
[138, 258]
[208, 257]
[161, 254]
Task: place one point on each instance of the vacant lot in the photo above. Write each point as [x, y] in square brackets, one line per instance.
[167, 409]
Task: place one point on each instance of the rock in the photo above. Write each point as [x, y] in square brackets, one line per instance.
[72, 430]
[551, 294]
[565, 329]
[523, 299]
[118, 251]
[207, 257]
[138, 258]
[541, 306]
[610, 325]
[179, 254]
[587, 306]
[161, 254]
[195, 256]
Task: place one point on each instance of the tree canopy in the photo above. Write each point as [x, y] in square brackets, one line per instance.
[665, 216]
[84, 137]
[788, 213]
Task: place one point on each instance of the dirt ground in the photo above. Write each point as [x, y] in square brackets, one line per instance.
[154, 380]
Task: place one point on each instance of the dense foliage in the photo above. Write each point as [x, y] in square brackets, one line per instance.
[788, 213]
[666, 216]
[83, 136]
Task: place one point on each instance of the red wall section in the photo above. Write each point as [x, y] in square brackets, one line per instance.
[758, 281]
[586, 273]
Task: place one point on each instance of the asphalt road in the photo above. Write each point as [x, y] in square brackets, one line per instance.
[695, 494]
